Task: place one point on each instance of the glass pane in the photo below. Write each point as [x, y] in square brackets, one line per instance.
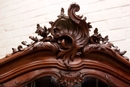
[50, 81]
[47, 81]
[93, 82]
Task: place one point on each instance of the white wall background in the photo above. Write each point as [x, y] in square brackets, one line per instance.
[18, 19]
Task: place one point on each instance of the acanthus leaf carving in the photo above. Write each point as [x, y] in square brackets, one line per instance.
[68, 37]
[71, 34]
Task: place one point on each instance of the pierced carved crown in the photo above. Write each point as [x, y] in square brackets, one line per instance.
[67, 52]
[69, 36]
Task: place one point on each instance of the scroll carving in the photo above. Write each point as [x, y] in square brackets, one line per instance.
[69, 51]
[68, 37]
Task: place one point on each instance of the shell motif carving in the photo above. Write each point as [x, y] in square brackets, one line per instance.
[69, 79]
[71, 33]
[68, 37]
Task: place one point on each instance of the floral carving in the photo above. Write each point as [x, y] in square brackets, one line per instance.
[98, 43]
[97, 38]
[54, 53]
[69, 36]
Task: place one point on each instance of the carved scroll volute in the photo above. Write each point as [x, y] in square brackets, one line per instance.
[71, 33]
[79, 19]
[69, 37]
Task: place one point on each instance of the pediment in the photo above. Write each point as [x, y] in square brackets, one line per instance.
[66, 51]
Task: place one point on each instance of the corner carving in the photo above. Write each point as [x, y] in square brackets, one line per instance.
[68, 37]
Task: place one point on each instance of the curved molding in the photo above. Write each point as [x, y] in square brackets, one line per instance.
[67, 52]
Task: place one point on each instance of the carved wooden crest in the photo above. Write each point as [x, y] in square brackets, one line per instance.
[69, 37]
[67, 47]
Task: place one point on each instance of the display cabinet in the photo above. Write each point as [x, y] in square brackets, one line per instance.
[66, 55]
